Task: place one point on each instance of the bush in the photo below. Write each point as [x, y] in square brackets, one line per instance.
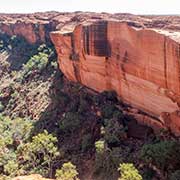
[4, 41]
[54, 65]
[40, 154]
[1, 107]
[67, 172]
[114, 132]
[1, 45]
[110, 95]
[108, 110]
[175, 175]
[148, 173]
[37, 62]
[164, 154]
[87, 142]
[83, 105]
[129, 172]
[100, 146]
[106, 161]
[18, 44]
[61, 99]
[13, 133]
[70, 122]
[11, 167]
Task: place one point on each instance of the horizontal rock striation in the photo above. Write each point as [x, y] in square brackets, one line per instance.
[141, 65]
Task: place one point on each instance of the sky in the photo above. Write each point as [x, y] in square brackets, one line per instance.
[112, 6]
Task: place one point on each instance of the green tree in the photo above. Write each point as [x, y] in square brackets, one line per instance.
[114, 131]
[40, 154]
[67, 172]
[164, 154]
[129, 172]
[13, 133]
[175, 175]
[107, 161]
[70, 122]
[37, 62]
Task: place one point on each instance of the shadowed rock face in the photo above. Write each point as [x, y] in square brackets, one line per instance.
[95, 39]
[141, 65]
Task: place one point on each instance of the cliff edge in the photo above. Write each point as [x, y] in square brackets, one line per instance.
[140, 64]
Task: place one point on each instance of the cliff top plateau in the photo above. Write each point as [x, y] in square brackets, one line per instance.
[168, 24]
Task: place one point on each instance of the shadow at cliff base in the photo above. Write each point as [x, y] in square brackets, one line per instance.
[79, 109]
[49, 118]
[18, 48]
[69, 101]
[19, 56]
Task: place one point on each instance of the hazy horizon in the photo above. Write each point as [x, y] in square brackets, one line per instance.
[160, 7]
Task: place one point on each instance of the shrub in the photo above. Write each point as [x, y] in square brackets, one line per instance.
[67, 172]
[129, 172]
[4, 41]
[1, 45]
[164, 154]
[37, 62]
[17, 43]
[54, 64]
[87, 142]
[8, 161]
[175, 175]
[100, 146]
[70, 122]
[1, 107]
[61, 98]
[13, 133]
[108, 110]
[83, 105]
[110, 95]
[106, 161]
[40, 154]
[148, 173]
[113, 132]
[11, 167]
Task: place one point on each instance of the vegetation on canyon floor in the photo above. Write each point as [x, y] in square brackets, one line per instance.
[63, 130]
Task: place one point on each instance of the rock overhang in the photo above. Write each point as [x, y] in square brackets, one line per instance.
[140, 64]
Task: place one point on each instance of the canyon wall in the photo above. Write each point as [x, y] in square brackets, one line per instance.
[33, 32]
[141, 65]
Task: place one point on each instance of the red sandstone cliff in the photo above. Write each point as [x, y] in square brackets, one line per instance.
[137, 56]
[141, 65]
[32, 32]
[36, 27]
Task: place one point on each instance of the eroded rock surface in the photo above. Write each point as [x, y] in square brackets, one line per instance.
[142, 65]
[36, 27]
[137, 56]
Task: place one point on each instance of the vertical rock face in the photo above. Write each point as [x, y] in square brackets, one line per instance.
[32, 32]
[142, 66]
[95, 39]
